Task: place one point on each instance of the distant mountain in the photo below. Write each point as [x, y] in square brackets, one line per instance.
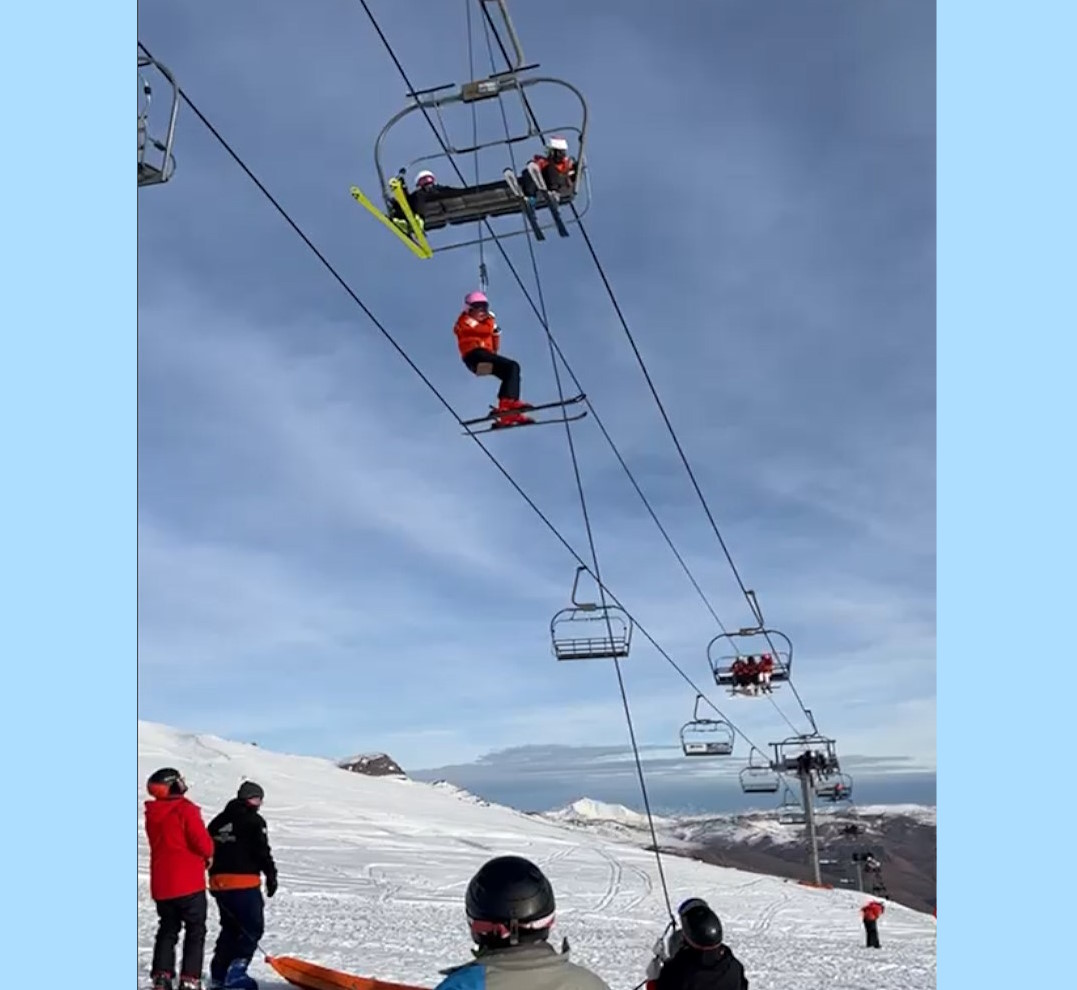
[901, 837]
[373, 765]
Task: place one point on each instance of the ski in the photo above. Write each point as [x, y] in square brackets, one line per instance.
[494, 413]
[497, 428]
[396, 185]
[551, 198]
[419, 247]
[529, 210]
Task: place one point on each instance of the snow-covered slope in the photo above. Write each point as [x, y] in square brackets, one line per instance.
[373, 872]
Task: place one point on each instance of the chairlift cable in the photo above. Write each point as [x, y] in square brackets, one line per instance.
[483, 280]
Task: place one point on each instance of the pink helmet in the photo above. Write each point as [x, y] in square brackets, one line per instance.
[476, 299]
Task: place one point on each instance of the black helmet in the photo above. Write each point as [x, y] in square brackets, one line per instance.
[166, 782]
[249, 789]
[701, 926]
[509, 900]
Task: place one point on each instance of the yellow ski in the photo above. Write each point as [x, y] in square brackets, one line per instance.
[422, 249]
[417, 230]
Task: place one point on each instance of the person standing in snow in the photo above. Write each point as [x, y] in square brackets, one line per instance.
[180, 851]
[871, 912]
[510, 910]
[241, 854]
[697, 957]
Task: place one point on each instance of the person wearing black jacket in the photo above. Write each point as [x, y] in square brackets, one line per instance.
[241, 854]
[699, 960]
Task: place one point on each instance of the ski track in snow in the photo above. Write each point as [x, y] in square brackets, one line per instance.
[373, 873]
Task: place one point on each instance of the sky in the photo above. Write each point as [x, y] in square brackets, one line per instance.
[326, 566]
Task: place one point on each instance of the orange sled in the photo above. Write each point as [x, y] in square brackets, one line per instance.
[310, 976]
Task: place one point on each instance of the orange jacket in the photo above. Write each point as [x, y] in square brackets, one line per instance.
[471, 333]
[872, 910]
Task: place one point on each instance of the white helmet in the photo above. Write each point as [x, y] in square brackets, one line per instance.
[425, 178]
[558, 144]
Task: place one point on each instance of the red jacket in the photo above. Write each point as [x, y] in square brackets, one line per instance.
[872, 910]
[180, 848]
[472, 332]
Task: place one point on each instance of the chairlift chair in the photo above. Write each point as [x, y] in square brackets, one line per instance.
[758, 778]
[706, 736]
[587, 631]
[491, 199]
[787, 752]
[791, 810]
[156, 163]
[836, 790]
[726, 648]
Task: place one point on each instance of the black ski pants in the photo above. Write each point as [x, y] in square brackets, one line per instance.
[505, 369]
[871, 930]
[188, 913]
[242, 926]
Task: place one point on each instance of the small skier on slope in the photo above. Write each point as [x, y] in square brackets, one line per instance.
[479, 339]
[510, 909]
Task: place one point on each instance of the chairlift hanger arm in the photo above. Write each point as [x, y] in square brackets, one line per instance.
[425, 105]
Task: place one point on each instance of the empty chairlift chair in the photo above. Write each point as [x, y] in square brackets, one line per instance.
[706, 736]
[156, 162]
[587, 631]
[791, 810]
[759, 777]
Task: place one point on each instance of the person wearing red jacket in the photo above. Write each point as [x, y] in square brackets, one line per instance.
[871, 912]
[479, 338]
[180, 852]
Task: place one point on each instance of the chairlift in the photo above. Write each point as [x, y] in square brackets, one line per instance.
[789, 753]
[490, 199]
[791, 810]
[758, 778]
[587, 631]
[156, 162]
[753, 643]
[836, 790]
[706, 736]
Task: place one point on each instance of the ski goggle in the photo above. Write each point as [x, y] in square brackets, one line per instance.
[166, 788]
[510, 931]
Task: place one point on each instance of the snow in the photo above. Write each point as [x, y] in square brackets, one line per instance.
[373, 872]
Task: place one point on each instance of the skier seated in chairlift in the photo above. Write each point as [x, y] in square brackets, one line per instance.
[557, 169]
[426, 189]
[479, 339]
[766, 671]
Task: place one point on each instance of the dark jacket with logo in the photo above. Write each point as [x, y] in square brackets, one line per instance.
[241, 850]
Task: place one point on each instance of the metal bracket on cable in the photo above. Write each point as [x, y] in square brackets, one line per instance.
[753, 604]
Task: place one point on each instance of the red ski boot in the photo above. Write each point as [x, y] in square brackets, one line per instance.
[508, 414]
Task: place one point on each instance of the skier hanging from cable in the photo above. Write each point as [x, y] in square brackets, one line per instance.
[479, 339]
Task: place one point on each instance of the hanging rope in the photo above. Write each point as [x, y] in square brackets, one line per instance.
[483, 280]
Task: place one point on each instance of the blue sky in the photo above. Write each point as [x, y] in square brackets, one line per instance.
[326, 565]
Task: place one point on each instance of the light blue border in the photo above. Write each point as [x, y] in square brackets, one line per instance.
[68, 541]
[1007, 217]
